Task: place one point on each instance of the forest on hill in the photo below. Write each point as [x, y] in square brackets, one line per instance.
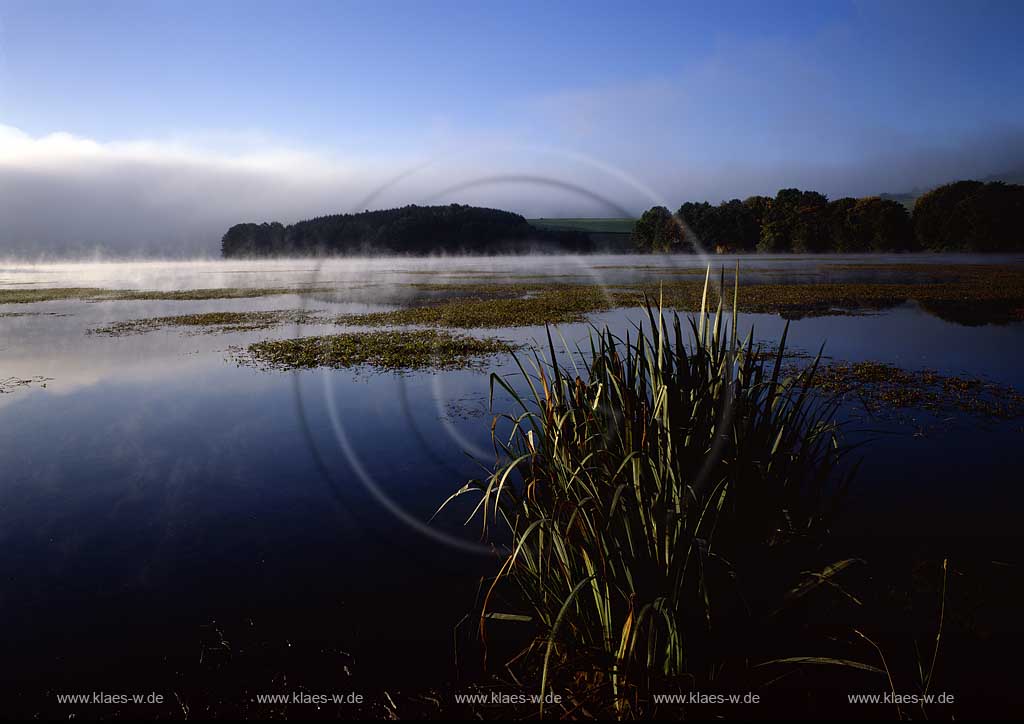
[973, 216]
[454, 228]
[970, 216]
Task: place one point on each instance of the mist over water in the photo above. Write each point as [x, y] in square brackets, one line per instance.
[149, 478]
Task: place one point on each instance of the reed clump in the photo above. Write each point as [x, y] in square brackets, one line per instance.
[656, 490]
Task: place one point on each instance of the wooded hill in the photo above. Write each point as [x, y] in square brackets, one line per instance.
[455, 228]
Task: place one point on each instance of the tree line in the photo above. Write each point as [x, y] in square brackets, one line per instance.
[454, 228]
[961, 216]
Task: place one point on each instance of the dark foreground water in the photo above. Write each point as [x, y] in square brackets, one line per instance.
[158, 502]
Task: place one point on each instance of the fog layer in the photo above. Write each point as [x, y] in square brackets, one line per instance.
[63, 195]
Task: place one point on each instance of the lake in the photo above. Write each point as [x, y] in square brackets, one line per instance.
[161, 503]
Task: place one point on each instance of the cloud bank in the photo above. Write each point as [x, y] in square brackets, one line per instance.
[64, 195]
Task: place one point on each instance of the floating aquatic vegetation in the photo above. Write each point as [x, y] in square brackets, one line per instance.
[660, 269]
[471, 273]
[96, 294]
[465, 408]
[213, 322]
[30, 296]
[966, 295]
[10, 315]
[386, 350]
[977, 300]
[217, 293]
[880, 387]
[914, 268]
[531, 306]
[962, 293]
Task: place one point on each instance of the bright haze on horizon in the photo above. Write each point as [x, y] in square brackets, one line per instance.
[150, 128]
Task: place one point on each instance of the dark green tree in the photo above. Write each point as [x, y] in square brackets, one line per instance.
[759, 207]
[937, 215]
[970, 216]
[695, 219]
[253, 239]
[796, 221]
[730, 226]
[880, 225]
[657, 230]
[841, 232]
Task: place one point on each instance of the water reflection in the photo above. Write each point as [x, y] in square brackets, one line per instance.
[154, 486]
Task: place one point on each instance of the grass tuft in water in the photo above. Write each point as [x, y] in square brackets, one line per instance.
[656, 490]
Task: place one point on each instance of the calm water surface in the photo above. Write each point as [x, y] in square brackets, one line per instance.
[153, 486]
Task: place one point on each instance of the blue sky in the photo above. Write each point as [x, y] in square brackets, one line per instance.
[309, 106]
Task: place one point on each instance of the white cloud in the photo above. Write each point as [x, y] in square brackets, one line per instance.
[65, 151]
[65, 194]
[62, 192]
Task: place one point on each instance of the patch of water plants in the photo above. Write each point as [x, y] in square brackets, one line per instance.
[882, 387]
[32, 295]
[503, 306]
[382, 350]
[14, 315]
[212, 322]
[97, 294]
[957, 293]
[967, 299]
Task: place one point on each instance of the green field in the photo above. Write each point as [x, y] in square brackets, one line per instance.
[604, 226]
